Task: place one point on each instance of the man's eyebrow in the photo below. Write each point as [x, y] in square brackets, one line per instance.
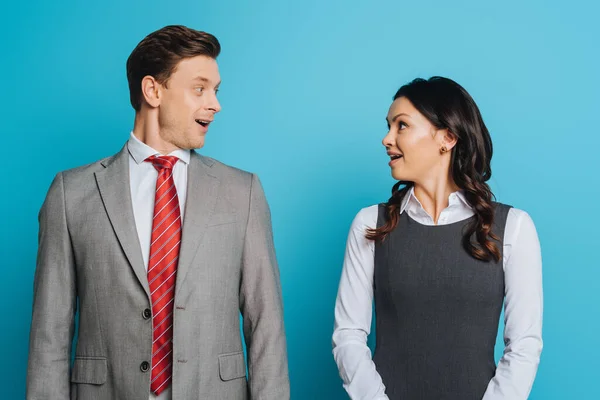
[204, 80]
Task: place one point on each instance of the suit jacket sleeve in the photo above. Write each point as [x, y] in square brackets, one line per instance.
[54, 302]
[261, 304]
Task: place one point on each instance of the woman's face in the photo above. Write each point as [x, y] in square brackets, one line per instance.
[414, 144]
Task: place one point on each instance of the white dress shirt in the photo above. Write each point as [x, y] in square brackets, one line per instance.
[142, 181]
[522, 264]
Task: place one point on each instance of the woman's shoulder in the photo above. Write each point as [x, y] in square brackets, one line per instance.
[366, 218]
[520, 218]
[518, 222]
[515, 214]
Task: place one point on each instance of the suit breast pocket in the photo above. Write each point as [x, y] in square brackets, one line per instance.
[219, 219]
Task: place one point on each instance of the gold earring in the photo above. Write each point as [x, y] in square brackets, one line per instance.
[443, 150]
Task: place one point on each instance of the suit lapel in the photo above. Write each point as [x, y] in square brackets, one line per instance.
[113, 183]
[202, 190]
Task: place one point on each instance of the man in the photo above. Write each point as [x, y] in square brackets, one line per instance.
[159, 249]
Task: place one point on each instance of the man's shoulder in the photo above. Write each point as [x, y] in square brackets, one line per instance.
[79, 180]
[225, 171]
[86, 170]
[84, 175]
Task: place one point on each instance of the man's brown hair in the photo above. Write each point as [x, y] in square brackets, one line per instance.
[159, 53]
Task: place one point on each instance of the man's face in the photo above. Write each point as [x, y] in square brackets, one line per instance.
[189, 102]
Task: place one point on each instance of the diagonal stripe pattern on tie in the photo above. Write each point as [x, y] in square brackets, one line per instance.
[162, 270]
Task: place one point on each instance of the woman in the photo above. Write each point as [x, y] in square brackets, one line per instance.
[439, 259]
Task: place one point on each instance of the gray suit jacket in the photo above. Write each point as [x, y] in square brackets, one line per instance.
[89, 259]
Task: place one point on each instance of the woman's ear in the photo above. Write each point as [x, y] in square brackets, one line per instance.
[447, 139]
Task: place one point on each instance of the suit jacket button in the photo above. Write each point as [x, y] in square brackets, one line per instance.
[145, 367]
[147, 314]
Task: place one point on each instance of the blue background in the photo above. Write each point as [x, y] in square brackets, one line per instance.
[306, 87]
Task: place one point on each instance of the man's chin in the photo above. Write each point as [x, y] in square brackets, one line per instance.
[192, 144]
[195, 145]
[198, 147]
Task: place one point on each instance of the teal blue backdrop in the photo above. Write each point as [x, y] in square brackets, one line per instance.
[306, 87]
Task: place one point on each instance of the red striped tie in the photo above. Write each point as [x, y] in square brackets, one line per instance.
[162, 270]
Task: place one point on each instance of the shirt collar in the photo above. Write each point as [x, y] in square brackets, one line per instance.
[455, 200]
[140, 151]
[459, 199]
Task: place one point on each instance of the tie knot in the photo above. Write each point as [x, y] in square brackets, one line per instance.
[162, 162]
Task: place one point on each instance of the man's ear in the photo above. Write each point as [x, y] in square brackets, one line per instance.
[152, 91]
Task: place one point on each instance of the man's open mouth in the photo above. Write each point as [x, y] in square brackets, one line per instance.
[203, 122]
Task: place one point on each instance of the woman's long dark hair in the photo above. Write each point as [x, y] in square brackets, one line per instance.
[447, 105]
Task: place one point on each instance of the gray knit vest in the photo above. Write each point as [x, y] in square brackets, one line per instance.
[437, 311]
